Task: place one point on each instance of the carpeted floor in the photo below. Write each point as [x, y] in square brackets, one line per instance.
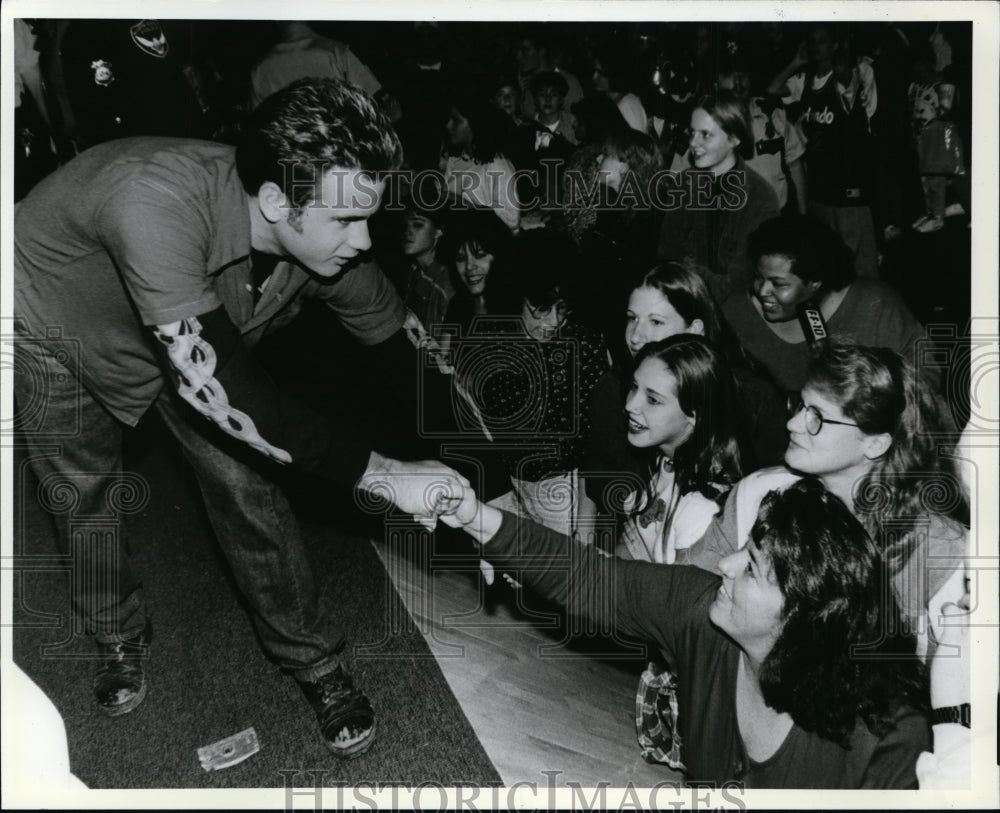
[209, 678]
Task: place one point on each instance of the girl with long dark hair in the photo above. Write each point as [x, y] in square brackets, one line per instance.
[681, 408]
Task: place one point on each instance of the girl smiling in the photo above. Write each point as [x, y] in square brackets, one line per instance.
[681, 408]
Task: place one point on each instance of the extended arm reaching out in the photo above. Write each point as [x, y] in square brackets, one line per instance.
[217, 376]
[636, 599]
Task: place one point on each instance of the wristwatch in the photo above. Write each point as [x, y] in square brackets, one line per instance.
[953, 714]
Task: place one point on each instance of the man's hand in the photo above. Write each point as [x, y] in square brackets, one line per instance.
[423, 488]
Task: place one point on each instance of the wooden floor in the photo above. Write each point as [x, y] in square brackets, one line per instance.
[536, 705]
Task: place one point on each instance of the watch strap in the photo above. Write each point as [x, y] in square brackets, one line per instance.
[953, 714]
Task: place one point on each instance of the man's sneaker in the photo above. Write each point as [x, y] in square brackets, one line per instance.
[346, 719]
[920, 222]
[120, 683]
[931, 224]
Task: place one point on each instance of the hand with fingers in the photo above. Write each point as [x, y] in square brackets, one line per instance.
[423, 488]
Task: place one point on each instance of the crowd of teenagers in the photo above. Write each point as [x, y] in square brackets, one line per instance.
[635, 270]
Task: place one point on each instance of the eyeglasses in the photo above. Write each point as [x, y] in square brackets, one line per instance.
[562, 311]
[814, 418]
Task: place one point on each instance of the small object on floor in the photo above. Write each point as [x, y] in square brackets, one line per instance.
[229, 751]
[892, 232]
[120, 682]
[345, 716]
[931, 224]
[954, 210]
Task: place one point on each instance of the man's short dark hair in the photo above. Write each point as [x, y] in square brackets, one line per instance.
[308, 128]
[544, 80]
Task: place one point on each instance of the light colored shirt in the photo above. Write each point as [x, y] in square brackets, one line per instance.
[308, 55]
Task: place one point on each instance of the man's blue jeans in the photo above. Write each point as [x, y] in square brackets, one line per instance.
[75, 448]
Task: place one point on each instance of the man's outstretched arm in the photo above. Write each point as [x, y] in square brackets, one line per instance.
[215, 373]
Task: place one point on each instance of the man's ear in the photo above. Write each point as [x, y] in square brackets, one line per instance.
[697, 327]
[877, 445]
[272, 202]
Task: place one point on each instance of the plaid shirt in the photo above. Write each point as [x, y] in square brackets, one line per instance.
[656, 716]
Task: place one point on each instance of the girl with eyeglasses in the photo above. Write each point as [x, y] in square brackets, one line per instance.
[868, 431]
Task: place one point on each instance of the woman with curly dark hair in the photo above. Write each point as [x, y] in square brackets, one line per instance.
[787, 673]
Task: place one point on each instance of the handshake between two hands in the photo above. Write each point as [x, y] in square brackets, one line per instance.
[452, 499]
[427, 489]
[455, 511]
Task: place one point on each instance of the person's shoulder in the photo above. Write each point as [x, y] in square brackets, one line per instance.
[183, 170]
[889, 760]
[175, 152]
[336, 47]
[739, 310]
[759, 188]
[747, 494]
[773, 477]
[609, 387]
[865, 290]
[867, 285]
[760, 184]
